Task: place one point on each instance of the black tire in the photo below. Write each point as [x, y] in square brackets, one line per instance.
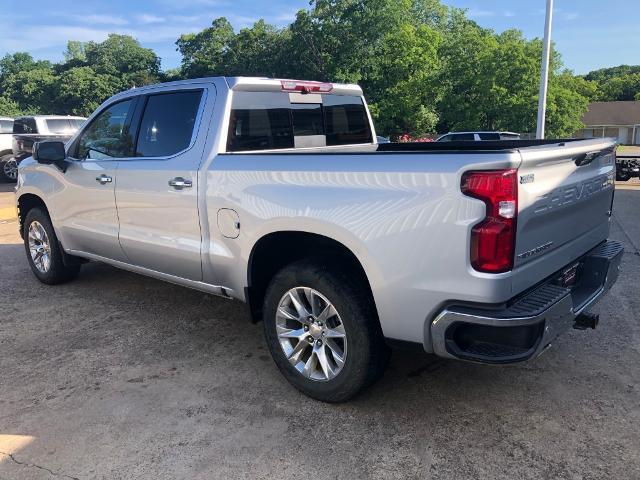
[59, 271]
[622, 176]
[3, 175]
[367, 354]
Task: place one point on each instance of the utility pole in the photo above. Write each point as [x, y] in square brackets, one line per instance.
[544, 75]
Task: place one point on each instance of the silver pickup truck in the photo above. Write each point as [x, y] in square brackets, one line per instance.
[275, 193]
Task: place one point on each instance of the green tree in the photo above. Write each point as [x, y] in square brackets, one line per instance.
[625, 87]
[491, 83]
[260, 50]
[389, 47]
[204, 53]
[604, 74]
[567, 102]
[9, 108]
[32, 90]
[80, 90]
[122, 56]
[404, 90]
[75, 52]
[12, 64]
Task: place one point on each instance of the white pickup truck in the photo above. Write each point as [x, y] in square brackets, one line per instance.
[275, 192]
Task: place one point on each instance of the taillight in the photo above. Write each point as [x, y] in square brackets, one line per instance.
[305, 87]
[493, 239]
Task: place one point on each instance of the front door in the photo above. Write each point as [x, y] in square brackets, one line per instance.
[157, 191]
[86, 208]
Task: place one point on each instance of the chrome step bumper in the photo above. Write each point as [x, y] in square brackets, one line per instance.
[527, 326]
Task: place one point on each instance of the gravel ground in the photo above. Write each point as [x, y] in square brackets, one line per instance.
[119, 376]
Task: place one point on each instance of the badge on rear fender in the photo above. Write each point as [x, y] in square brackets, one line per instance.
[535, 251]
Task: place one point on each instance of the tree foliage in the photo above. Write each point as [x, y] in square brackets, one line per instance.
[90, 73]
[424, 67]
[616, 83]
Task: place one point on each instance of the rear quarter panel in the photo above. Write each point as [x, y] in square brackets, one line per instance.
[402, 215]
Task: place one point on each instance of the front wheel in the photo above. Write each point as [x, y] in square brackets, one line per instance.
[323, 331]
[9, 170]
[44, 252]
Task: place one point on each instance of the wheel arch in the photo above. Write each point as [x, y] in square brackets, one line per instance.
[27, 202]
[276, 249]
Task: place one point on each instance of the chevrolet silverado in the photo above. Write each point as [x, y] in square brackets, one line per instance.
[276, 193]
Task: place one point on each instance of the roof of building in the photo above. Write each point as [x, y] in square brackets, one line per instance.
[612, 113]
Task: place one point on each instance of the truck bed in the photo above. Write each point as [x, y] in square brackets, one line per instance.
[427, 147]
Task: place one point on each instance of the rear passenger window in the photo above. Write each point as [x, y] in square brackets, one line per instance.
[260, 121]
[271, 120]
[167, 123]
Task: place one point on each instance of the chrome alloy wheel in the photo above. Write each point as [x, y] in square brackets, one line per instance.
[39, 247]
[311, 334]
[10, 169]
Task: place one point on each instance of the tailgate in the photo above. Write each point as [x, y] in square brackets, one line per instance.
[565, 193]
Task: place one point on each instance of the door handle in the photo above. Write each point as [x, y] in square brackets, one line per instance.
[179, 183]
[104, 179]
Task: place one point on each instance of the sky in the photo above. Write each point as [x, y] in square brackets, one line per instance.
[590, 34]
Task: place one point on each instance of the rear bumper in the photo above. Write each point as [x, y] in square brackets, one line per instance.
[527, 325]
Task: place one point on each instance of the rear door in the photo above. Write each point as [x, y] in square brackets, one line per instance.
[157, 189]
[565, 196]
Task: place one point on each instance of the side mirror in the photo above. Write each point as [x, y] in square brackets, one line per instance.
[50, 152]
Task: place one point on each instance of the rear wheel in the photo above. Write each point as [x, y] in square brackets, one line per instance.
[323, 332]
[8, 170]
[44, 252]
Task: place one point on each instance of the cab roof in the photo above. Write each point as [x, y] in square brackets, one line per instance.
[257, 84]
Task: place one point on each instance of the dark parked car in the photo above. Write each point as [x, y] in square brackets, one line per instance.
[627, 165]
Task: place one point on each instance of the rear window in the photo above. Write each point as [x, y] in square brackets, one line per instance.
[6, 126]
[463, 137]
[275, 120]
[61, 126]
[25, 125]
